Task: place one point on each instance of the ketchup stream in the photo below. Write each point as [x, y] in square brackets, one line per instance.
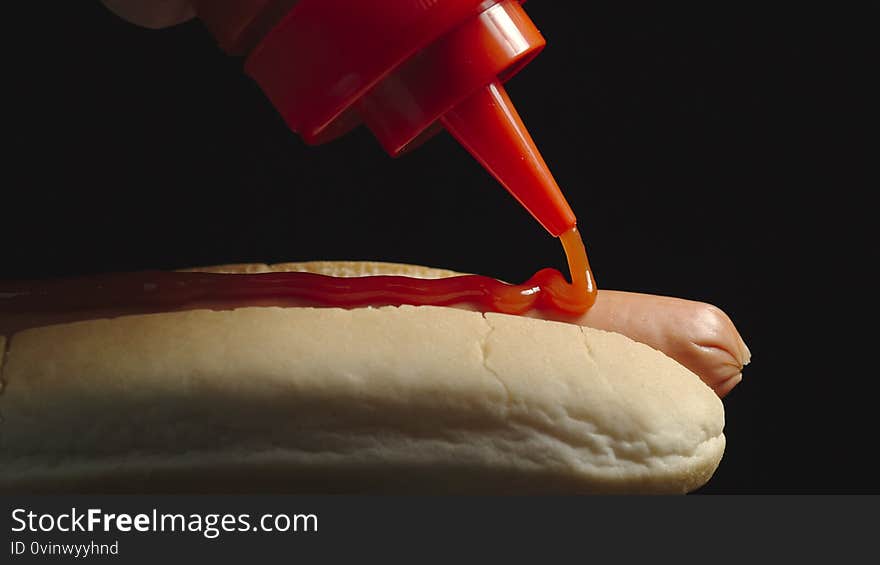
[546, 290]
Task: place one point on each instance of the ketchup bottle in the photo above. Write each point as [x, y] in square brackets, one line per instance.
[404, 68]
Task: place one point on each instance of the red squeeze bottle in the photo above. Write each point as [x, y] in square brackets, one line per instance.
[403, 68]
[407, 69]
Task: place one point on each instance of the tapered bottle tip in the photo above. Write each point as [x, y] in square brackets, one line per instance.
[489, 127]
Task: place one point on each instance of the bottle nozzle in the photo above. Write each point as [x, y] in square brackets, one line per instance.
[489, 127]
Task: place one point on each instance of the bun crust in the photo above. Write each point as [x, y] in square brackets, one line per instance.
[408, 399]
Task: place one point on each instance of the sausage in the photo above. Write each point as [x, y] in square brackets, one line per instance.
[700, 336]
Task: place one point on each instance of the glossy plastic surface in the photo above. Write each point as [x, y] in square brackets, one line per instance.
[488, 125]
[402, 67]
[496, 43]
[325, 55]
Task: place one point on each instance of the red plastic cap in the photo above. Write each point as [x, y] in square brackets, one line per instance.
[403, 68]
[488, 125]
[326, 55]
[490, 46]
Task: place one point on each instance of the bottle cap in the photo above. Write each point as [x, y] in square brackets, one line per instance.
[404, 68]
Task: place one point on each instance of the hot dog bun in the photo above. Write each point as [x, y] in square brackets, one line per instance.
[700, 336]
[299, 399]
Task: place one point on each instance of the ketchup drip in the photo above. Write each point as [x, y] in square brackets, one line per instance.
[547, 289]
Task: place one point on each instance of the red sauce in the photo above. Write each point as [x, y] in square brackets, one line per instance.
[547, 289]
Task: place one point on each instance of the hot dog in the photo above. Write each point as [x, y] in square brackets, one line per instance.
[292, 397]
[700, 336]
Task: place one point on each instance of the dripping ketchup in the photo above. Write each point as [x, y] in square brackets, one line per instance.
[546, 290]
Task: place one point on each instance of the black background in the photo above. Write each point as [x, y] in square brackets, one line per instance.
[703, 152]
